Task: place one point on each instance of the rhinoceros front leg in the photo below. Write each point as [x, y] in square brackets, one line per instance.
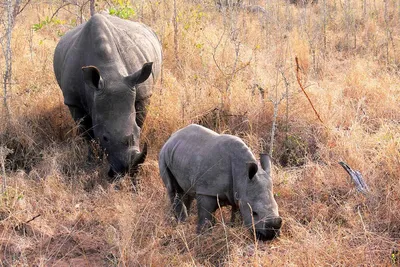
[141, 111]
[234, 214]
[206, 205]
[85, 126]
[84, 120]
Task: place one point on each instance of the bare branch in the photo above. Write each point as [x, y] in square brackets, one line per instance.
[22, 9]
[215, 51]
[58, 9]
[304, 91]
[36, 216]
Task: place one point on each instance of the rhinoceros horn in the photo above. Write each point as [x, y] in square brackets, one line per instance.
[138, 159]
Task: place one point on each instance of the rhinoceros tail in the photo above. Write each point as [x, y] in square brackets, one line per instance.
[169, 179]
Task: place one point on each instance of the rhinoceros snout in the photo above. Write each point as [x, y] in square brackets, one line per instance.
[129, 165]
[270, 230]
[117, 169]
[275, 223]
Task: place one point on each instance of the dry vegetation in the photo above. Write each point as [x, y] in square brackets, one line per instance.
[232, 66]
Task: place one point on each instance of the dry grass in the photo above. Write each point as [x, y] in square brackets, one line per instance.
[350, 68]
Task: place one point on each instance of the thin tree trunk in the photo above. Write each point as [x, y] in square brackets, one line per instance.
[324, 25]
[273, 129]
[175, 34]
[7, 51]
[92, 8]
[364, 9]
[4, 151]
[386, 17]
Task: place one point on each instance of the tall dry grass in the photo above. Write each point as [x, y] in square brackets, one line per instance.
[233, 65]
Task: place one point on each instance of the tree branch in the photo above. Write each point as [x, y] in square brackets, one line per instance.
[304, 91]
[22, 9]
[58, 9]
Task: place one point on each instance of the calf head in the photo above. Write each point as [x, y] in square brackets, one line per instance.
[256, 201]
[114, 117]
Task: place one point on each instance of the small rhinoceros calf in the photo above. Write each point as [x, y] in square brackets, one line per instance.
[218, 170]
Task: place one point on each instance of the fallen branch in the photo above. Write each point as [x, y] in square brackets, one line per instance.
[304, 91]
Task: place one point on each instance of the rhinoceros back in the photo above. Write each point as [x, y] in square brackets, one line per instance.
[114, 46]
[202, 161]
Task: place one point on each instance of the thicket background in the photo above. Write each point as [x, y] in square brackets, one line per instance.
[231, 67]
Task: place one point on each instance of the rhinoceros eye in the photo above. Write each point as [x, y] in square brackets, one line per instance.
[255, 214]
[105, 138]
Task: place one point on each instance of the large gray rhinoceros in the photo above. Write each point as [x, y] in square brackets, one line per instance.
[103, 68]
[218, 170]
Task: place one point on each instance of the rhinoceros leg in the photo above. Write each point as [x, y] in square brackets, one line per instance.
[234, 213]
[206, 205]
[180, 201]
[141, 111]
[181, 206]
[187, 201]
[84, 120]
[85, 126]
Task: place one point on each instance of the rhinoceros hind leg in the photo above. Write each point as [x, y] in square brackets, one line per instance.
[179, 208]
[179, 200]
[181, 205]
[187, 201]
[206, 205]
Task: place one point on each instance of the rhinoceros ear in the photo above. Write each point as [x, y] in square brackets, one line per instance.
[265, 162]
[141, 75]
[92, 77]
[252, 168]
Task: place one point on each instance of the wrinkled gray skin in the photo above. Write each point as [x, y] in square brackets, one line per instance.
[218, 170]
[106, 69]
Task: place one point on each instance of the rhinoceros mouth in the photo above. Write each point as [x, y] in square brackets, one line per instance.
[111, 173]
[117, 170]
[267, 234]
[269, 229]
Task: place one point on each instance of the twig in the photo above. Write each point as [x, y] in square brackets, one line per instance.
[361, 218]
[253, 226]
[215, 51]
[22, 9]
[276, 104]
[58, 9]
[33, 218]
[304, 91]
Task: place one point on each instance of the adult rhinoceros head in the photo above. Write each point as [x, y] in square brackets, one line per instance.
[114, 116]
[256, 202]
